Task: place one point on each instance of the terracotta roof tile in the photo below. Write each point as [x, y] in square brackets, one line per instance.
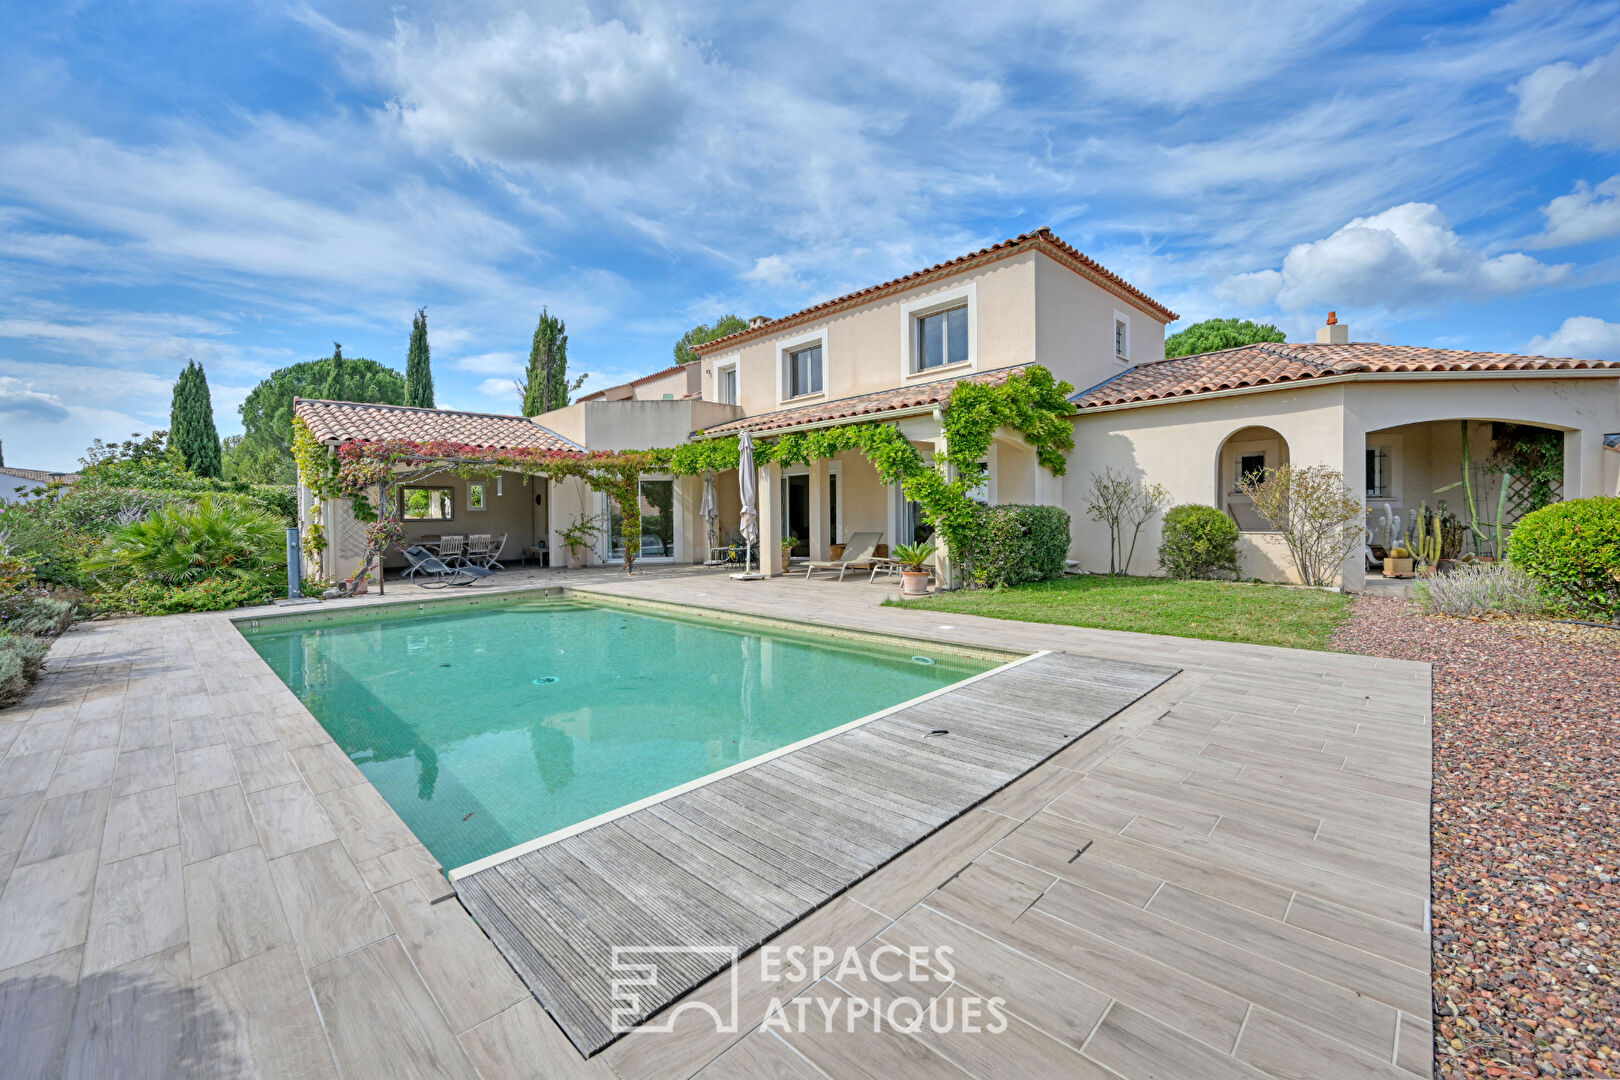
[342, 421]
[1043, 238]
[43, 476]
[861, 405]
[1274, 364]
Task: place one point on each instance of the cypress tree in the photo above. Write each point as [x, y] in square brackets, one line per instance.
[336, 376]
[546, 384]
[191, 422]
[418, 370]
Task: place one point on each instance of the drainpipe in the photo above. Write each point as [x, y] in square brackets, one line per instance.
[294, 565]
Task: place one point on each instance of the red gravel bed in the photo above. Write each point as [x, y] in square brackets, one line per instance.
[1526, 886]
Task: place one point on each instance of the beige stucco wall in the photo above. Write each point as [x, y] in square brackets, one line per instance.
[1027, 307]
[1179, 444]
[635, 425]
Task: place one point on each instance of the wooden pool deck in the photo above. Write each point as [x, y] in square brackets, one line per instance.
[196, 883]
[717, 870]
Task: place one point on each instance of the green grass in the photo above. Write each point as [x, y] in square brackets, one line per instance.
[1216, 610]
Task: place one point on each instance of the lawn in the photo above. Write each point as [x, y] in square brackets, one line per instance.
[1217, 610]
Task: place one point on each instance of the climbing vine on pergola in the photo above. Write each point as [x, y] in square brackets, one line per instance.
[1033, 403]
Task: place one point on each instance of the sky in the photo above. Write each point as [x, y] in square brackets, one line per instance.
[244, 184]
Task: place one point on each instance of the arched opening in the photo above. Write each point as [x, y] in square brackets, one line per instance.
[1248, 451]
[1474, 479]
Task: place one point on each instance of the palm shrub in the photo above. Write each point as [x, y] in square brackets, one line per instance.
[187, 542]
[1198, 542]
[1573, 549]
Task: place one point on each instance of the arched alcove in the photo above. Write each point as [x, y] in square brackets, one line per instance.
[1247, 450]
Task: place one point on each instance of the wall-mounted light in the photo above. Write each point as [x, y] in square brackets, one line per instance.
[498, 479]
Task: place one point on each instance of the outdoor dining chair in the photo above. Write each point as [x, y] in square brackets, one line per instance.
[477, 551]
[453, 549]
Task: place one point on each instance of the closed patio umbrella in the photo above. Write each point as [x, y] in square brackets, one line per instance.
[710, 510]
[748, 488]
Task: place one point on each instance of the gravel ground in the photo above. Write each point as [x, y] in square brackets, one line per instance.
[1525, 848]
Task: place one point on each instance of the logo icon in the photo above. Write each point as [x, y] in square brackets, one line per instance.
[636, 976]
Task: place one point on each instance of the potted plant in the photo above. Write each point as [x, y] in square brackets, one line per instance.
[577, 538]
[789, 542]
[1398, 564]
[914, 573]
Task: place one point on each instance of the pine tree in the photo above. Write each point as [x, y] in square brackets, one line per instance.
[546, 384]
[418, 369]
[336, 376]
[191, 422]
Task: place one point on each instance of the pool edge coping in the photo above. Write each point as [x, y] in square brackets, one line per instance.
[557, 835]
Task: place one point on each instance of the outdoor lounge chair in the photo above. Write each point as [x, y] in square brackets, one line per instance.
[891, 567]
[435, 573]
[859, 553]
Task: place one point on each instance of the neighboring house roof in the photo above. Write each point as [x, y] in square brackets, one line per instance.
[633, 382]
[343, 421]
[1042, 239]
[916, 396]
[43, 476]
[1272, 364]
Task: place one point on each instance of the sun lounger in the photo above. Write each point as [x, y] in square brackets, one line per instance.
[432, 572]
[859, 554]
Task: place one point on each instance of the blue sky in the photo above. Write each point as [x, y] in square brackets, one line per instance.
[245, 183]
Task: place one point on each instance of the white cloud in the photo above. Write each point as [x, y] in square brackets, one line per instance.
[1405, 257]
[1583, 215]
[773, 270]
[517, 89]
[494, 363]
[1583, 336]
[1564, 103]
[19, 401]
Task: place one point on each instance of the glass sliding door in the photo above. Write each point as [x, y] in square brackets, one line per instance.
[657, 521]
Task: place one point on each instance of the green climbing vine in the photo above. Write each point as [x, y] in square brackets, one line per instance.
[318, 469]
[1032, 403]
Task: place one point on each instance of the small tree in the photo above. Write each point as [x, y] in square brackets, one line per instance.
[545, 385]
[702, 334]
[1320, 518]
[418, 370]
[1213, 334]
[1124, 505]
[337, 383]
[191, 422]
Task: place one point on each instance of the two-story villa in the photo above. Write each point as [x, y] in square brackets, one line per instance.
[1390, 418]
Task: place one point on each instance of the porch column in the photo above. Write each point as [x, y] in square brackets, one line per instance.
[1353, 572]
[819, 518]
[770, 519]
[945, 570]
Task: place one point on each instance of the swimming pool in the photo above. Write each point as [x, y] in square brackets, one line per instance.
[486, 726]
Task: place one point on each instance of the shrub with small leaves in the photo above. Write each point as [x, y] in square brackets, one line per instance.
[21, 657]
[1198, 542]
[1020, 544]
[1573, 549]
[1480, 589]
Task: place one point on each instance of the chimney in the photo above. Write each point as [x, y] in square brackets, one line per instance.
[757, 321]
[1334, 333]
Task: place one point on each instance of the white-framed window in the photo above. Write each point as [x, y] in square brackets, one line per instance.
[942, 338]
[725, 383]
[1122, 337]
[475, 497]
[939, 332]
[804, 371]
[801, 366]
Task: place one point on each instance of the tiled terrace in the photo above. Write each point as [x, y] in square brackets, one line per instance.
[199, 883]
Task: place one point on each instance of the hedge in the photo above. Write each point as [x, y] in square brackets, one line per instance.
[1198, 542]
[1021, 543]
[1573, 550]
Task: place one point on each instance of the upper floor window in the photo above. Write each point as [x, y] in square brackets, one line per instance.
[942, 338]
[1122, 337]
[804, 371]
[728, 384]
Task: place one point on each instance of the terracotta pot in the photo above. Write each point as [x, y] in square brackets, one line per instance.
[914, 582]
[1397, 568]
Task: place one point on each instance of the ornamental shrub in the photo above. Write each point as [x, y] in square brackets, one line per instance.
[1199, 542]
[147, 597]
[186, 543]
[21, 657]
[1573, 549]
[1019, 544]
[1480, 589]
[35, 614]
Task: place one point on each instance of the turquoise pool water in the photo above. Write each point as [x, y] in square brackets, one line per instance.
[485, 727]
